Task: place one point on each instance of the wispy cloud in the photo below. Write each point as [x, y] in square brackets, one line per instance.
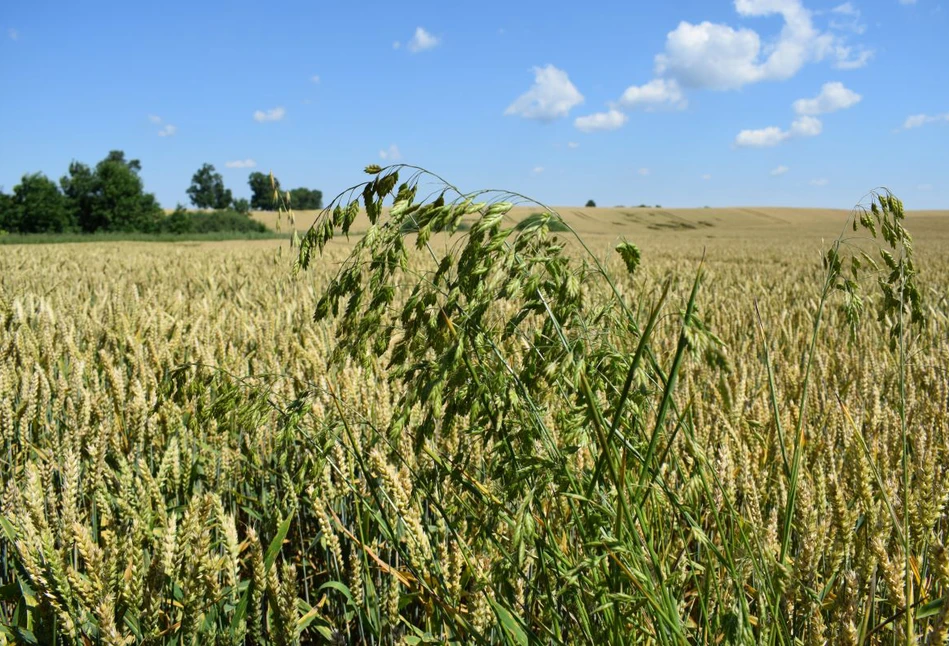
[572, 144]
[761, 137]
[550, 97]
[773, 135]
[537, 170]
[644, 172]
[13, 34]
[241, 163]
[166, 130]
[833, 96]
[780, 170]
[315, 78]
[657, 93]
[274, 114]
[806, 127]
[847, 18]
[392, 153]
[706, 177]
[821, 181]
[918, 120]
[600, 121]
[422, 40]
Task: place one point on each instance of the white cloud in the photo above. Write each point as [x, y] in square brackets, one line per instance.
[780, 170]
[600, 121]
[392, 153]
[847, 18]
[396, 44]
[907, 1]
[315, 78]
[572, 144]
[849, 58]
[846, 9]
[655, 93]
[711, 56]
[716, 56]
[274, 114]
[924, 187]
[166, 130]
[645, 172]
[918, 120]
[719, 57]
[833, 96]
[761, 138]
[13, 34]
[422, 40]
[819, 182]
[706, 177]
[773, 135]
[552, 96]
[537, 170]
[806, 127]
[241, 163]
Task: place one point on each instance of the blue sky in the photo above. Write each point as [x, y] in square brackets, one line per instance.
[689, 103]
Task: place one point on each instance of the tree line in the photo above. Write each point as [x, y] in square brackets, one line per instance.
[111, 197]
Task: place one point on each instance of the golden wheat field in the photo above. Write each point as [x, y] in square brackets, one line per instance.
[517, 451]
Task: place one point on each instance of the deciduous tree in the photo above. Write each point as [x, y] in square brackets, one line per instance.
[262, 191]
[207, 189]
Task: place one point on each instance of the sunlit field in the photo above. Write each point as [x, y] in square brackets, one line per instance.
[537, 445]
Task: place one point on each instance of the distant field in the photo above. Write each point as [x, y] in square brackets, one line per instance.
[653, 223]
[118, 236]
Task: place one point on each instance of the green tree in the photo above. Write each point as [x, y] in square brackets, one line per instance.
[179, 221]
[591, 203]
[79, 187]
[120, 202]
[305, 199]
[6, 210]
[262, 191]
[37, 206]
[242, 206]
[118, 157]
[207, 189]
[112, 197]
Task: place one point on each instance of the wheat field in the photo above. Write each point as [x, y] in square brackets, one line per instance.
[188, 457]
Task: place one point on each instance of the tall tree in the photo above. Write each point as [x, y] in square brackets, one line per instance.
[6, 211]
[80, 187]
[262, 191]
[241, 206]
[37, 206]
[118, 156]
[306, 199]
[121, 203]
[207, 189]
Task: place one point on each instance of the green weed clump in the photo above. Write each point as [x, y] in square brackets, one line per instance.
[490, 434]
